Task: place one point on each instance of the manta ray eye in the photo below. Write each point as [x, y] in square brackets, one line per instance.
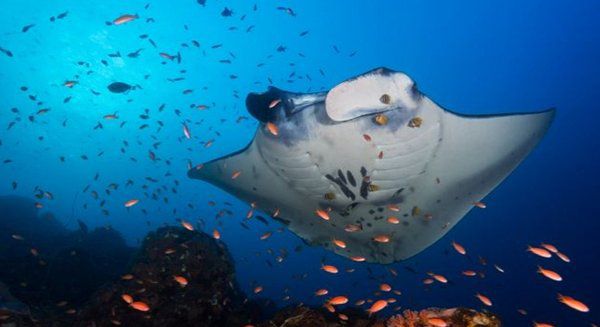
[386, 99]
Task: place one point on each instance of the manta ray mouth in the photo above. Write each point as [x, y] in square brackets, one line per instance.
[276, 103]
[258, 104]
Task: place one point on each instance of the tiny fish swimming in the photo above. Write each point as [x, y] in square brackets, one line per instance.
[372, 163]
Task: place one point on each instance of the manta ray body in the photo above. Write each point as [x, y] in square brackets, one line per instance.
[392, 171]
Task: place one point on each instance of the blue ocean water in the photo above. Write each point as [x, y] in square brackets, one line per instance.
[474, 58]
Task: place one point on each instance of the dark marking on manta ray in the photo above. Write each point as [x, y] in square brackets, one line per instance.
[349, 194]
[398, 192]
[364, 188]
[351, 178]
[363, 171]
[329, 177]
[282, 220]
[341, 176]
[348, 208]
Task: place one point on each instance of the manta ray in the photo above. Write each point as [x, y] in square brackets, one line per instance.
[373, 169]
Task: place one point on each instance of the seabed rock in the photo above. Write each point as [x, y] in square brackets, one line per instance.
[432, 317]
[210, 298]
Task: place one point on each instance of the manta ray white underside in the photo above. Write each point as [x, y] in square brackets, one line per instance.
[367, 147]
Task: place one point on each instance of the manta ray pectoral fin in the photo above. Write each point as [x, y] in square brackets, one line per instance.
[489, 145]
[232, 173]
[246, 175]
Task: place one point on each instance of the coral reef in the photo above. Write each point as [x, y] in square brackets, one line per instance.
[185, 279]
[456, 317]
[432, 317]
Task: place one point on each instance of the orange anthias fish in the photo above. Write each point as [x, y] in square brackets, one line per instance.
[127, 277]
[321, 292]
[572, 303]
[381, 238]
[385, 287]
[236, 174]
[322, 213]
[377, 306]
[216, 234]
[140, 306]
[549, 274]
[393, 207]
[339, 243]
[274, 103]
[393, 220]
[126, 18]
[127, 298]
[484, 299]
[459, 248]
[181, 280]
[131, 203]
[541, 324]
[469, 273]
[272, 128]
[187, 225]
[539, 252]
[549, 247]
[439, 278]
[330, 269]
[563, 257]
[338, 300]
[480, 205]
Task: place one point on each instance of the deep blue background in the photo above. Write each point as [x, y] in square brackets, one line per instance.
[473, 57]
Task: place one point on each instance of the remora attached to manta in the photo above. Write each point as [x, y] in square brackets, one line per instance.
[371, 142]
